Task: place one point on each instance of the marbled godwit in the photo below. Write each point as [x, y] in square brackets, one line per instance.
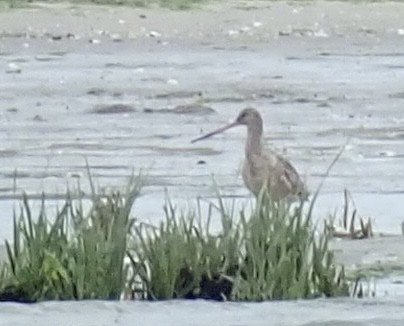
[262, 166]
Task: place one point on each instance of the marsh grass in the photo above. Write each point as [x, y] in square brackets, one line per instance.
[285, 256]
[346, 226]
[181, 258]
[274, 252]
[73, 255]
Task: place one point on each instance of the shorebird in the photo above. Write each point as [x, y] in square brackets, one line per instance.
[263, 167]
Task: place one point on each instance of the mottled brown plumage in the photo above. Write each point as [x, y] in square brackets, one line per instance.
[262, 166]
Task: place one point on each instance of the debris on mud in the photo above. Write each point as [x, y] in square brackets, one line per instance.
[38, 118]
[195, 108]
[96, 91]
[179, 94]
[112, 108]
[12, 110]
[13, 68]
[346, 228]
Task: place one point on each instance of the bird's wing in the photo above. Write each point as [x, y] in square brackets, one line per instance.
[284, 172]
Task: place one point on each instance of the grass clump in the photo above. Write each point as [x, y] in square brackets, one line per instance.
[182, 259]
[102, 253]
[75, 255]
[276, 253]
[346, 225]
[285, 257]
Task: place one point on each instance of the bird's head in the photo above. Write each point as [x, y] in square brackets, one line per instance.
[248, 116]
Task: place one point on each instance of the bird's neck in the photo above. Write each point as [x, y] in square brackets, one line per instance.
[254, 141]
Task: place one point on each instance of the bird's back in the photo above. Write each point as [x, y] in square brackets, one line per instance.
[276, 173]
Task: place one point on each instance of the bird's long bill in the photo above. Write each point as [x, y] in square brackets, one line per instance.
[217, 131]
